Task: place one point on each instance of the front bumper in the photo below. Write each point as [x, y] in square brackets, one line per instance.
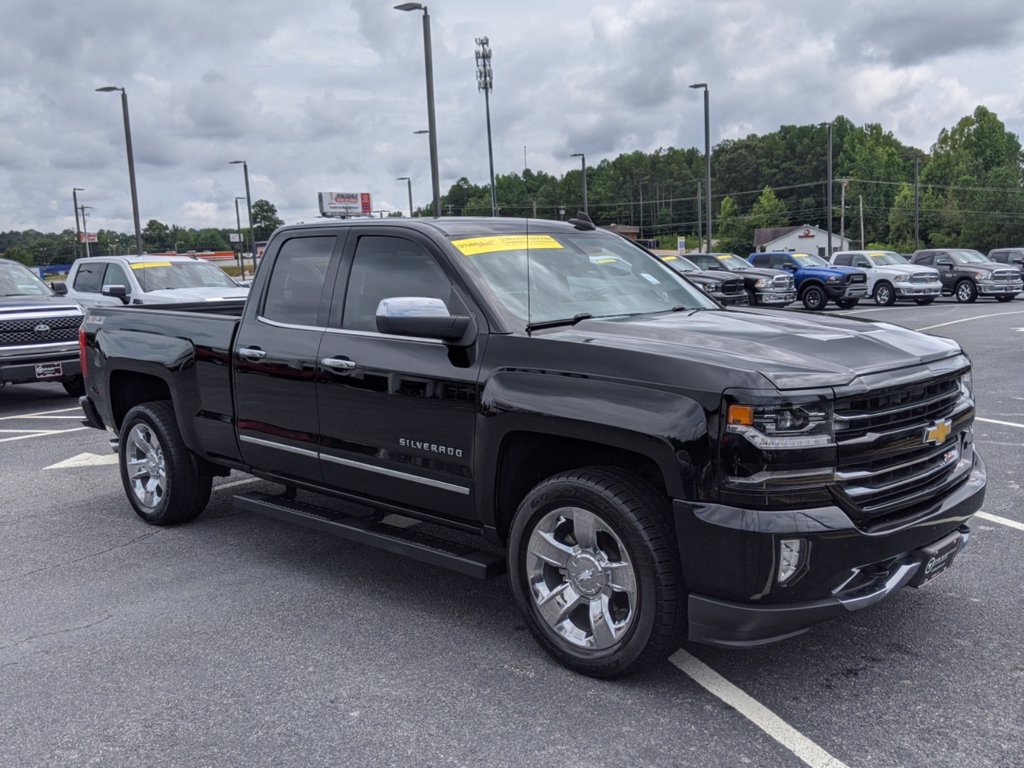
[55, 366]
[775, 298]
[846, 290]
[732, 300]
[729, 563]
[989, 288]
[917, 290]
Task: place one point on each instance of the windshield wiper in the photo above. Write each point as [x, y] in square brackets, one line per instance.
[555, 323]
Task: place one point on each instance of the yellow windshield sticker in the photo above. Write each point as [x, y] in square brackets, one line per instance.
[669, 258]
[723, 256]
[145, 264]
[477, 245]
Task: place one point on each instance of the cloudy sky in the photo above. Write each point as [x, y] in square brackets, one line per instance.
[325, 95]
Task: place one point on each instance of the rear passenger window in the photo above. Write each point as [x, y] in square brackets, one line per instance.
[89, 277]
[298, 280]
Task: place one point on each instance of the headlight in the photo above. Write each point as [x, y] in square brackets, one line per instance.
[967, 385]
[901, 279]
[712, 287]
[834, 279]
[983, 275]
[806, 425]
[763, 282]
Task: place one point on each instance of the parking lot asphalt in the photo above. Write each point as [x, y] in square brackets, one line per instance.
[239, 640]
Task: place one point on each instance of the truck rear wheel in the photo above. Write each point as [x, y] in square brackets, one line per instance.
[162, 479]
[594, 567]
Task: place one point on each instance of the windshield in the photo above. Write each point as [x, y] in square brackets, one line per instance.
[168, 275]
[809, 260]
[886, 259]
[680, 264]
[575, 273]
[18, 280]
[968, 256]
[729, 261]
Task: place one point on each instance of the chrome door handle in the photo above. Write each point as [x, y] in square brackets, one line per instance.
[337, 364]
[249, 353]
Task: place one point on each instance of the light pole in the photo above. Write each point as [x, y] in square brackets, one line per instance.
[78, 231]
[241, 242]
[485, 83]
[85, 228]
[583, 162]
[431, 122]
[131, 161]
[828, 196]
[707, 156]
[408, 182]
[248, 207]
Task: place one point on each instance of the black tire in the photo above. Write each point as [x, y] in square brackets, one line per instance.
[847, 303]
[630, 533]
[814, 298]
[885, 295]
[1006, 297]
[924, 302]
[966, 292]
[74, 385]
[166, 483]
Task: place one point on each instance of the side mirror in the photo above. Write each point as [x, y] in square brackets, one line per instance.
[791, 267]
[423, 317]
[60, 288]
[119, 291]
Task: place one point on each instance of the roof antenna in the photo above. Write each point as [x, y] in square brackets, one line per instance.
[582, 221]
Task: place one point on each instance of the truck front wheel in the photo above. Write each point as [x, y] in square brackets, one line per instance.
[162, 479]
[814, 297]
[594, 567]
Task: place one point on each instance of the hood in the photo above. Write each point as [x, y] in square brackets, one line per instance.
[832, 269]
[182, 295]
[761, 272]
[36, 303]
[988, 266]
[791, 350]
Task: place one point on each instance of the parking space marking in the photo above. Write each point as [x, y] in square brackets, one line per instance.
[997, 421]
[233, 483]
[37, 433]
[77, 411]
[966, 319]
[85, 460]
[1001, 520]
[755, 712]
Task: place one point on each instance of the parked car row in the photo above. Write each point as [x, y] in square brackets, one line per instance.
[778, 278]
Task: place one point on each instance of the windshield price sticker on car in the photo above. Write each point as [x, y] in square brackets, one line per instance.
[477, 245]
[147, 264]
[669, 258]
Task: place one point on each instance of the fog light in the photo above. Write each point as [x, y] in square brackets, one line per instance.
[791, 553]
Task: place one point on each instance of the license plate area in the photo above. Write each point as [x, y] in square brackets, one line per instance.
[49, 370]
[935, 559]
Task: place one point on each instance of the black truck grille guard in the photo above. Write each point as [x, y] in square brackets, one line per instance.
[900, 450]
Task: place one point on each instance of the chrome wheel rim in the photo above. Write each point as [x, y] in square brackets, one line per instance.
[964, 292]
[882, 295]
[581, 579]
[146, 467]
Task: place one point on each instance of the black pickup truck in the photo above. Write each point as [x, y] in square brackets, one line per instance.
[649, 466]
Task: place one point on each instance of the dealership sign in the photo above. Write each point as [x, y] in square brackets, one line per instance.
[343, 204]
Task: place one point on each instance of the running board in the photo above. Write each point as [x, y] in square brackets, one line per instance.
[401, 541]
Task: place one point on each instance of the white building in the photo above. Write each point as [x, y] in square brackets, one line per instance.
[804, 239]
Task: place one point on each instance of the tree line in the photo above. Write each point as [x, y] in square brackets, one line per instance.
[969, 193]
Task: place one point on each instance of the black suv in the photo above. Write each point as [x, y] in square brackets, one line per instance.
[728, 290]
[968, 274]
[764, 286]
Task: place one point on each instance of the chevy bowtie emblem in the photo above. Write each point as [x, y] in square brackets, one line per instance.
[937, 432]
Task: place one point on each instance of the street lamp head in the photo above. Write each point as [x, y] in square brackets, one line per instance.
[700, 85]
[423, 131]
[109, 88]
[403, 178]
[78, 189]
[577, 154]
[236, 162]
[411, 7]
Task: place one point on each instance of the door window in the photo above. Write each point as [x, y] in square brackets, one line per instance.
[388, 267]
[115, 276]
[89, 277]
[297, 282]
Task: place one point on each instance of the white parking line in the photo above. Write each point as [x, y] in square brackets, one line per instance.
[755, 712]
[234, 483]
[966, 319]
[1001, 520]
[997, 421]
[40, 433]
[43, 414]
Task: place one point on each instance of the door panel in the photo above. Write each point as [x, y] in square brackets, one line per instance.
[397, 414]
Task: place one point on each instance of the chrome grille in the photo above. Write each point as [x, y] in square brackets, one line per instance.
[887, 468]
[42, 329]
[783, 282]
[922, 277]
[732, 286]
[1006, 275]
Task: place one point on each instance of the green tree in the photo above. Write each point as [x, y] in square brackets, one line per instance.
[732, 230]
[264, 219]
[768, 211]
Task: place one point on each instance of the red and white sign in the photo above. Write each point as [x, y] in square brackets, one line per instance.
[806, 233]
[82, 236]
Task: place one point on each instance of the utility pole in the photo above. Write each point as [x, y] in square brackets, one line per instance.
[842, 211]
[861, 198]
[485, 83]
[917, 202]
[829, 195]
[700, 220]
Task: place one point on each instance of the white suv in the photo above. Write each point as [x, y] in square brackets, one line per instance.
[115, 280]
[892, 277]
